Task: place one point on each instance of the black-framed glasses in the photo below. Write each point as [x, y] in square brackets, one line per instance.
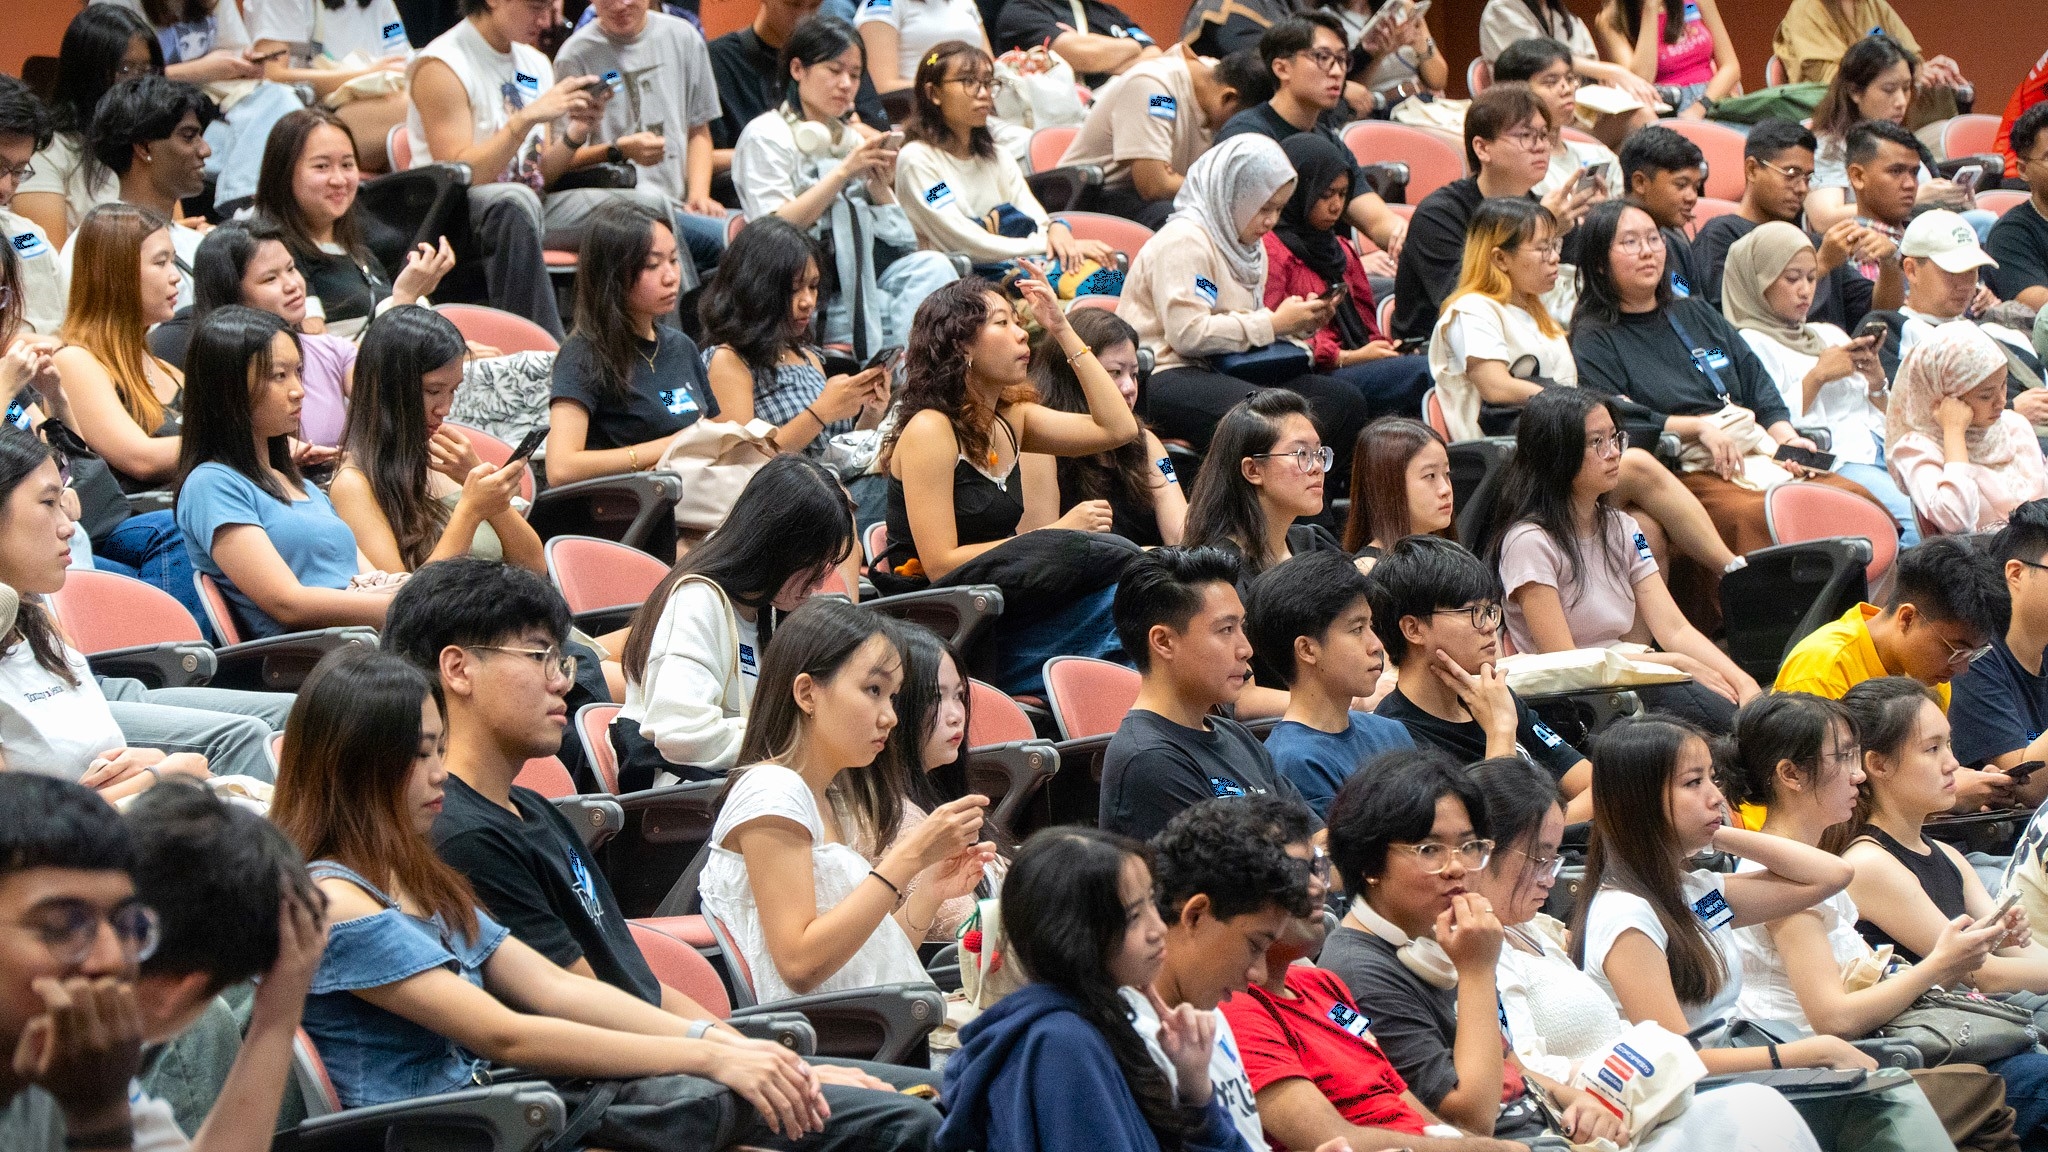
[2028, 563]
[1326, 59]
[70, 928]
[990, 84]
[551, 658]
[1310, 460]
[1483, 617]
[1433, 857]
[1617, 443]
[1547, 867]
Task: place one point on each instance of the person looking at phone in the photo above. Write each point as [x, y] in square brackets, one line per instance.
[1546, 66]
[1999, 705]
[2020, 238]
[1944, 267]
[1827, 379]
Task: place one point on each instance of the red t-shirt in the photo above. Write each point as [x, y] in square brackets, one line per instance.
[1323, 1038]
[2031, 91]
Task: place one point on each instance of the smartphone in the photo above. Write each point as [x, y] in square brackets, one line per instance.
[1818, 461]
[1873, 326]
[1968, 175]
[592, 84]
[266, 57]
[2005, 904]
[893, 139]
[1421, 10]
[1334, 292]
[1588, 177]
[1393, 10]
[529, 445]
[2020, 772]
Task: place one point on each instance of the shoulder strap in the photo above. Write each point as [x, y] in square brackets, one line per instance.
[1080, 16]
[1699, 354]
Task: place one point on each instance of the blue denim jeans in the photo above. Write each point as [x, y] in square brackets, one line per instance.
[2026, 1091]
[150, 548]
[1083, 628]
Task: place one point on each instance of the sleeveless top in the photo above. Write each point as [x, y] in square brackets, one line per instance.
[984, 508]
[172, 425]
[497, 84]
[1938, 876]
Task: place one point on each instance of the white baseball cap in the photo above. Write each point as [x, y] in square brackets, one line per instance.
[1947, 239]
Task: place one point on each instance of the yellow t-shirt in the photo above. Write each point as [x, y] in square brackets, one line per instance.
[1836, 657]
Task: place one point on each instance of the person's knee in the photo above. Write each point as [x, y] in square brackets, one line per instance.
[505, 204]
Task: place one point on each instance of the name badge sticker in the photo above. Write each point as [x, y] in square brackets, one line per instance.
[1679, 287]
[1713, 911]
[939, 196]
[1643, 548]
[1550, 739]
[678, 401]
[529, 86]
[1162, 106]
[1166, 469]
[1718, 359]
[613, 82]
[1206, 289]
[1223, 786]
[1692, 11]
[29, 246]
[1356, 1023]
[393, 36]
[748, 666]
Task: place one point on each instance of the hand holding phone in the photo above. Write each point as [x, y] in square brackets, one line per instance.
[1589, 177]
[2019, 772]
[1805, 457]
[529, 445]
[1873, 328]
[1335, 292]
[1968, 175]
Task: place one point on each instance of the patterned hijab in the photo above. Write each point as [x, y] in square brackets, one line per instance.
[1224, 189]
[1957, 357]
[1754, 263]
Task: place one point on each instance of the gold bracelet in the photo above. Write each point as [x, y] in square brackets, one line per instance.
[1075, 357]
[633, 457]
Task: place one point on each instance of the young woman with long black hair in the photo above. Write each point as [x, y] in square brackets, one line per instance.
[1146, 504]
[102, 46]
[412, 491]
[1875, 80]
[1057, 1064]
[1263, 473]
[693, 651]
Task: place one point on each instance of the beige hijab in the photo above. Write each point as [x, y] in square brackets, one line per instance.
[1754, 263]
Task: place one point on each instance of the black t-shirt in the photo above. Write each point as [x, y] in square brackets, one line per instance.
[1029, 23]
[534, 876]
[1154, 769]
[1996, 706]
[1678, 263]
[747, 86]
[2019, 242]
[1263, 120]
[1842, 297]
[1465, 740]
[346, 289]
[1642, 359]
[1434, 252]
[659, 401]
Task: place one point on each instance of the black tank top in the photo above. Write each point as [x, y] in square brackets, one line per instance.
[983, 510]
[1938, 876]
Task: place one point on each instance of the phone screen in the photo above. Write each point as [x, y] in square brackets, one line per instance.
[1969, 174]
[529, 445]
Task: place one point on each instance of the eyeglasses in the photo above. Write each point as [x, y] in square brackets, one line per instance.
[551, 658]
[21, 173]
[1546, 867]
[1792, 172]
[125, 71]
[1319, 865]
[1637, 243]
[1551, 250]
[70, 928]
[1484, 617]
[1434, 857]
[1964, 655]
[976, 84]
[1527, 138]
[1310, 460]
[1608, 445]
[1326, 59]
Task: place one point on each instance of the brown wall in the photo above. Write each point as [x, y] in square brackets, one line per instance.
[33, 28]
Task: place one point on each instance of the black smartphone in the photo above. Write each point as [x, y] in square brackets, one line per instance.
[2020, 772]
[1334, 292]
[1872, 326]
[528, 446]
[1818, 461]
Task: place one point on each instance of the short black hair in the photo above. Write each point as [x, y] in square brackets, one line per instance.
[1393, 799]
[1860, 145]
[2027, 129]
[1296, 34]
[140, 110]
[216, 874]
[1301, 597]
[1771, 138]
[1245, 72]
[1947, 578]
[21, 114]
[466, 602]
[54, 823]
[1164, 586]
[1227, 850]
[1528, 56]
[1655, 148]
[2025, 535]
[1419, 575]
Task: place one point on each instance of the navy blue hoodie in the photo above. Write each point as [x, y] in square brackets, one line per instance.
[1033, 1075]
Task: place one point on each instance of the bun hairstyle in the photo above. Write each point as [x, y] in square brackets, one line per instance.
[1772, 729]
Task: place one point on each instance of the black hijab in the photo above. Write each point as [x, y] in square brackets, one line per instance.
[1317, 163]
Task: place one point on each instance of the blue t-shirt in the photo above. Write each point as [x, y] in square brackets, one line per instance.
[1319, 762]
[1996, 706]
[315, 543]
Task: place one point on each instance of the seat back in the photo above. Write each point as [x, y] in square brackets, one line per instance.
[594, 729]
[733, 225]
[1089, 697]
[1049, 144]
[1386, 314]
[505, 331]
[1126, 236]
[1786, 591]
[2001, 200]
[1580, 135]
[1774, 71]
[1093, 300]
[218, 613]
[311, 1073]
[1723, 147]
[681, 967]
[1473, 464]
[1478, 76]
[1801, 512]
[398, 145]
[875, 540]
[994, 718]
[1969, 135]
[595, 574]
[489, 448]
[736, 965]
[1432, 161]
[547, 776]
[101, 611]
[1708, 208]
[1433, 413]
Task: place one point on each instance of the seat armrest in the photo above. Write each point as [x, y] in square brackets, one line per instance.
[886, 1023]
[154, 500]
[1822, 438]
[595, 818]
[633, 509]
[598, 621]
[1389, 178]
[1061, 189]
[177, 664]
[1991, 162]
[957, 613]
[792, 1030]
[280, 663]
[665, 829]
[520, 1117]
[1012, 775]
[1668, 449]
[1891, 1053]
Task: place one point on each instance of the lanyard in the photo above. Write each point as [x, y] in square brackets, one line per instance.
[1700, 358]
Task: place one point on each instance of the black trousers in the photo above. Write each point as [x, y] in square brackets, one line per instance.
[666, 1113]
[1186, 403]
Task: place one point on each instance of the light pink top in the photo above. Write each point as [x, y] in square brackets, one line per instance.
[1968, 497]
[1600, 606]
[323, 415]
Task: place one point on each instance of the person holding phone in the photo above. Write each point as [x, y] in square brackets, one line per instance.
[1999, 705]
[1827, 379]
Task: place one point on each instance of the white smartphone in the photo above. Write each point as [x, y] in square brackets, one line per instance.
[2005, 904]
[1393, 10]
[1968, 175]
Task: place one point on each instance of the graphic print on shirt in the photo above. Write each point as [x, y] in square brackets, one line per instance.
[586, 893]
[525, 165]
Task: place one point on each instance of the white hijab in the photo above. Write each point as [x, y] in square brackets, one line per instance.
[1224, 188]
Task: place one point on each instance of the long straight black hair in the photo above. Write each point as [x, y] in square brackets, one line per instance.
[1225, 510]
[746, 306]
[1599, 300]
[277, 201]
[1125, 471]
[223, 257]
[614, 252]
[1861, 65]
[917, 709]
[1550, 452]
[229, 353]
[20, 455]
[87, 59]
[1063, 910]
[386, 434]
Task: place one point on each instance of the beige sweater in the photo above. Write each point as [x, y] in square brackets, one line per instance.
[1184, 303]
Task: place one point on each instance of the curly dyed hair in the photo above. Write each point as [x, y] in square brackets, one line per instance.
[942, 339]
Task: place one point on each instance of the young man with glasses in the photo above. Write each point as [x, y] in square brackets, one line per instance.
[1998, 709]
[1507, 147]
[1947, 609]
[2019, 240]
[1308, 58]
[1437, 610]
[1180, 620]
[25, 129]
[1777, 170]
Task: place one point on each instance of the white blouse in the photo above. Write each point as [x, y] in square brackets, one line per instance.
[1842, 405]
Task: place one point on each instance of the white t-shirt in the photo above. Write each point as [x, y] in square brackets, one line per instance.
[184, 244]
[1842, 406]
[44, 286]
[1227, 1076]
[887, 957]
[1766, 986]
[60, 170]
[1614, 911]
[1506, 21]
[920, 24]
[186, 42]
[498, 84]
[375, 30]
[48, 726]
[153, 1122]
[1479, 326]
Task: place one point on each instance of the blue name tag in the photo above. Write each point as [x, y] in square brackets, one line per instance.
[612, 81]
[678, 401]
[1713, 911]
[1166, 470]
[1220, 786]
[747, 658]
[17, 415]
[1679, 287]
[1550, 739]
[1692, 11]
[529, 86]
[1353, 1022]
[1206, 289]
[877, 7]
[1643, 548]
[28, 246]
[393, 35]
[1162, 106]
[938, 196]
